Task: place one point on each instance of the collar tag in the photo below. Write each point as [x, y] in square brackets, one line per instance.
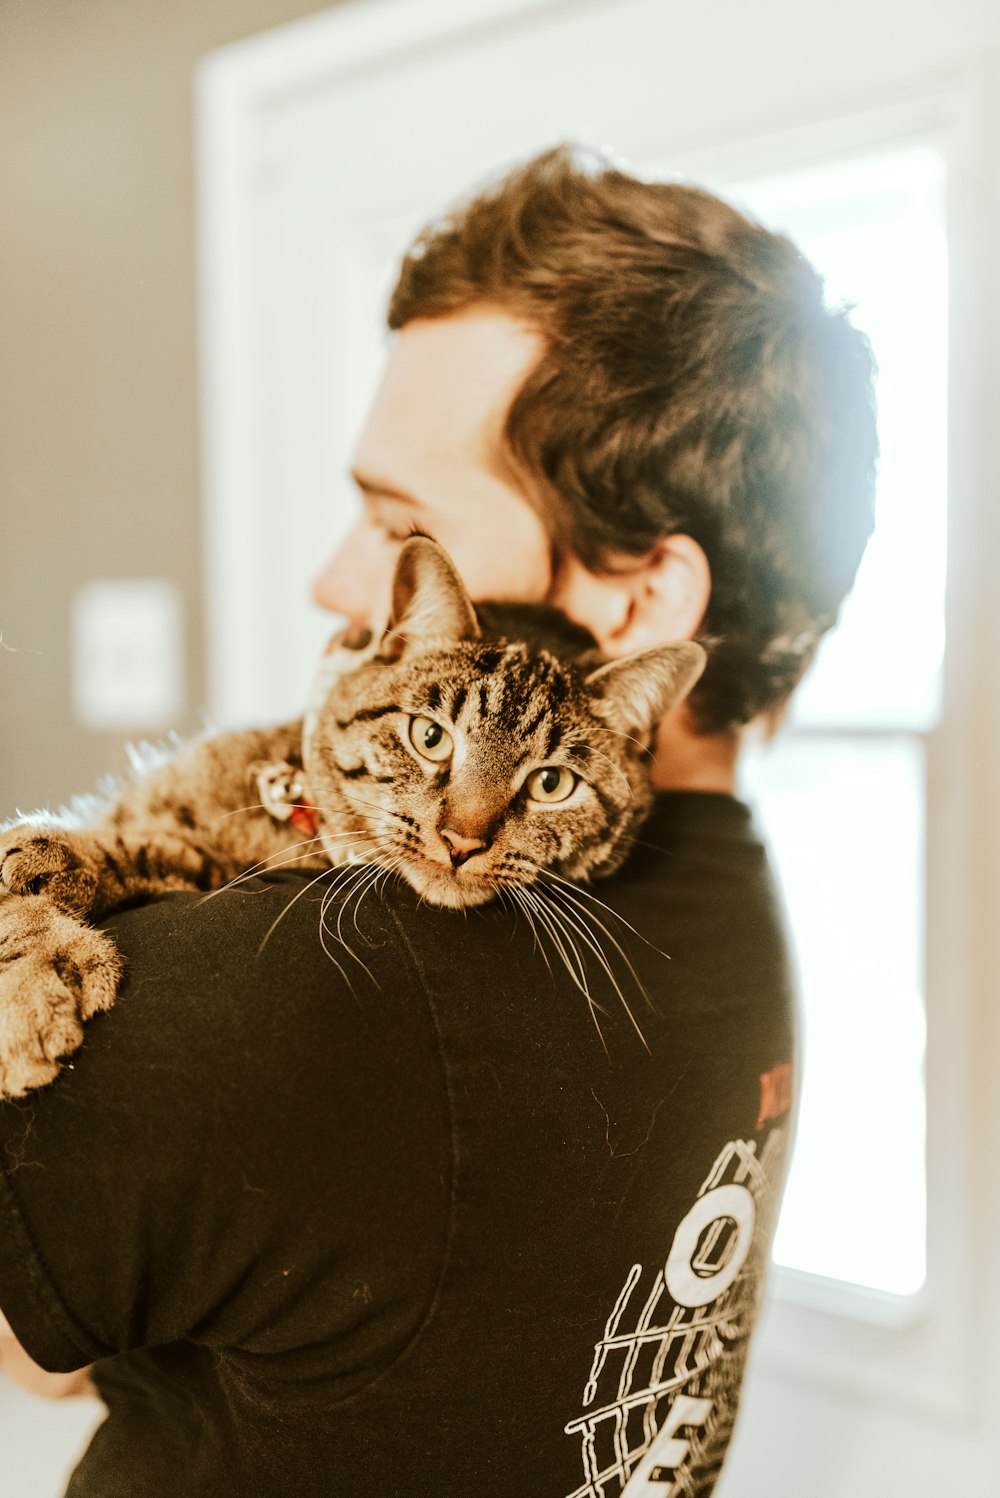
[282, 794]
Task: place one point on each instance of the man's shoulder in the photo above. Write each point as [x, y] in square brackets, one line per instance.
[250, 1117]
[280, 965]
[297, 932]
[266, 980]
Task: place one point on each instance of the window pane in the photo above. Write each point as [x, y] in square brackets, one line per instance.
[845, 822]
[875, 228]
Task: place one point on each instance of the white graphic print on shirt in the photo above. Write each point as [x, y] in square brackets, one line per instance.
[661, 1396]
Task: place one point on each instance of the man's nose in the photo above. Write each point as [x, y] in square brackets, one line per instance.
[352, 582]
[460, 848]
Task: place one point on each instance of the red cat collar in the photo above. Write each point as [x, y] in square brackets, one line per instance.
[305, 818]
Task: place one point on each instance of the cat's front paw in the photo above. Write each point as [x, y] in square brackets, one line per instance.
[51, 862]
[54, 974]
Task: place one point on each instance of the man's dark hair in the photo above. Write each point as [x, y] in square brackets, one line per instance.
[693, 381]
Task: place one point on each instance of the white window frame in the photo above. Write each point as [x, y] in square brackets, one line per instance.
[823, 1331]
[920, 1350]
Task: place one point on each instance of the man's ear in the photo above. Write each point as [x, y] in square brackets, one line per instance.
[636, 602]
[668, 594]
[632, 694]
[429, 603]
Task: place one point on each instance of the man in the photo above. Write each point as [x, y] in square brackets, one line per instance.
[438, 1232]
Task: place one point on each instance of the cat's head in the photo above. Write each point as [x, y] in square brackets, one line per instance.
[472, 763]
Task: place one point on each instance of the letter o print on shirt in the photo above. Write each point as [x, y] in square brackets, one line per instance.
[693, 1278]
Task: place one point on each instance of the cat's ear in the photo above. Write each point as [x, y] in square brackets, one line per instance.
[634, 693]
[429, 603]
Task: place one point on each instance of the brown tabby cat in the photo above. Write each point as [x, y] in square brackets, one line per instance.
[473, 755]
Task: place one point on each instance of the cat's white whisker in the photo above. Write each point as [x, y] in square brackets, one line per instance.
[382, 872]
[586, 894]
[263, 806]
[555, 925]
[324, 932]
[357, 800]
[334, 837]
[363, 874]
[630, 738]
[239, 810]
[599, 754]
[332, 869]
[268, 865]
[588, 915]
[336, 811]
[594, 1006]
[560, 937]
[281, 916]
[354, 864]
[358, 876]
[265, 864]
[361, 889]
[514, 891]
[595, 946]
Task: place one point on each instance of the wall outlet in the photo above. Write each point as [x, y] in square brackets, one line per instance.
[127, 670]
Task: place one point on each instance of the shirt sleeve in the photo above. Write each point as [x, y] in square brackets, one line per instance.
[248, 1150]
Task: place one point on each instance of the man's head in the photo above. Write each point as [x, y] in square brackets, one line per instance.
[626, 394]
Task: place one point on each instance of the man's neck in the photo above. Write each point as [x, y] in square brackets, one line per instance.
[685, 760]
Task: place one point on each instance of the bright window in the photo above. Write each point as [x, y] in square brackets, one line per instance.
[842, 793]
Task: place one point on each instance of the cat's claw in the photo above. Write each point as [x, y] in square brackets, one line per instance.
[50, 862]
[54, 974]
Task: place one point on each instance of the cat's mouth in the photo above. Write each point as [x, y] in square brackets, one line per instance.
[440, 884]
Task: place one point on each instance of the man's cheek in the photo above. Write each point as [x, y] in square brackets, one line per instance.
[501, 565]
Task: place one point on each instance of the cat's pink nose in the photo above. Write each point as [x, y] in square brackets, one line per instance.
[460, 848]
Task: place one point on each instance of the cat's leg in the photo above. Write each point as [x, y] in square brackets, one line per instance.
[38, 859]
[54, 974]
[99, 869]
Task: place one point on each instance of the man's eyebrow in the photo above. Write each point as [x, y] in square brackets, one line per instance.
[381, 489]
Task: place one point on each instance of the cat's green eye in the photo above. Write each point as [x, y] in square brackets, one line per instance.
[551, 784]
[429, 739]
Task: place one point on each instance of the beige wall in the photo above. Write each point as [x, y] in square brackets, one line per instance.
[99, 464]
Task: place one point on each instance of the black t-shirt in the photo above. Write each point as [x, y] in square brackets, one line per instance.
[434, 1225]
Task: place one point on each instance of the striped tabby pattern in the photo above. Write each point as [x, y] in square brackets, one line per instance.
[473, 753]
